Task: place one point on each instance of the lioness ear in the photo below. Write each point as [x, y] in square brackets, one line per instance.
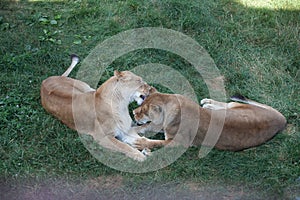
[118, 73]
[152, 90]
[156, 108]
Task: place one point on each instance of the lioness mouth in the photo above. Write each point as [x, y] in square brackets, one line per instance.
[143, 97]
[142, 123]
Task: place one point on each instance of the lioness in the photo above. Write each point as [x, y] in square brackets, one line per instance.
[246, 125]
[101, 113]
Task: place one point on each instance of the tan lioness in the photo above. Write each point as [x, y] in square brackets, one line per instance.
[101, 113]
[246, 125]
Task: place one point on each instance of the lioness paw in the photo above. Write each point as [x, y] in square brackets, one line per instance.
[146, 152]
[205, 101]
[138, 157]
[140, 143]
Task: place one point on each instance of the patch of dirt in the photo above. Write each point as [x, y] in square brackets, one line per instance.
[107, 182]
[112, 187]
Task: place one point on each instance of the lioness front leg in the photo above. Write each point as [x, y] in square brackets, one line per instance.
[144, 143]
[110, 142]
[126, 149]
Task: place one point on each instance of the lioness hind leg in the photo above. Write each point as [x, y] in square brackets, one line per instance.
[216, 105]
[212, 104]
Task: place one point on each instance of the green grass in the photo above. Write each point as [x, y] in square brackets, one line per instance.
[255, 46]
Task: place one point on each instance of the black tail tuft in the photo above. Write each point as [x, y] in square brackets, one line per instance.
[74, 56]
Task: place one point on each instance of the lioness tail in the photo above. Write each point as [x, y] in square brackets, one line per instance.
[75, 60]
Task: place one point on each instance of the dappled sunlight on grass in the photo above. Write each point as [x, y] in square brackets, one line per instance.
[271, 4]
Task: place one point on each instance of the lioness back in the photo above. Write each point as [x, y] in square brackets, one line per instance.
[248, 126]
[64, 86]
[57, 93]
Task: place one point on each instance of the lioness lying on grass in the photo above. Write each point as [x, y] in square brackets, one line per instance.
[246, 125]
[101, 113]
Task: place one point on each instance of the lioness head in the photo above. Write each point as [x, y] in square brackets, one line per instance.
[132, 86]
[148, 112]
